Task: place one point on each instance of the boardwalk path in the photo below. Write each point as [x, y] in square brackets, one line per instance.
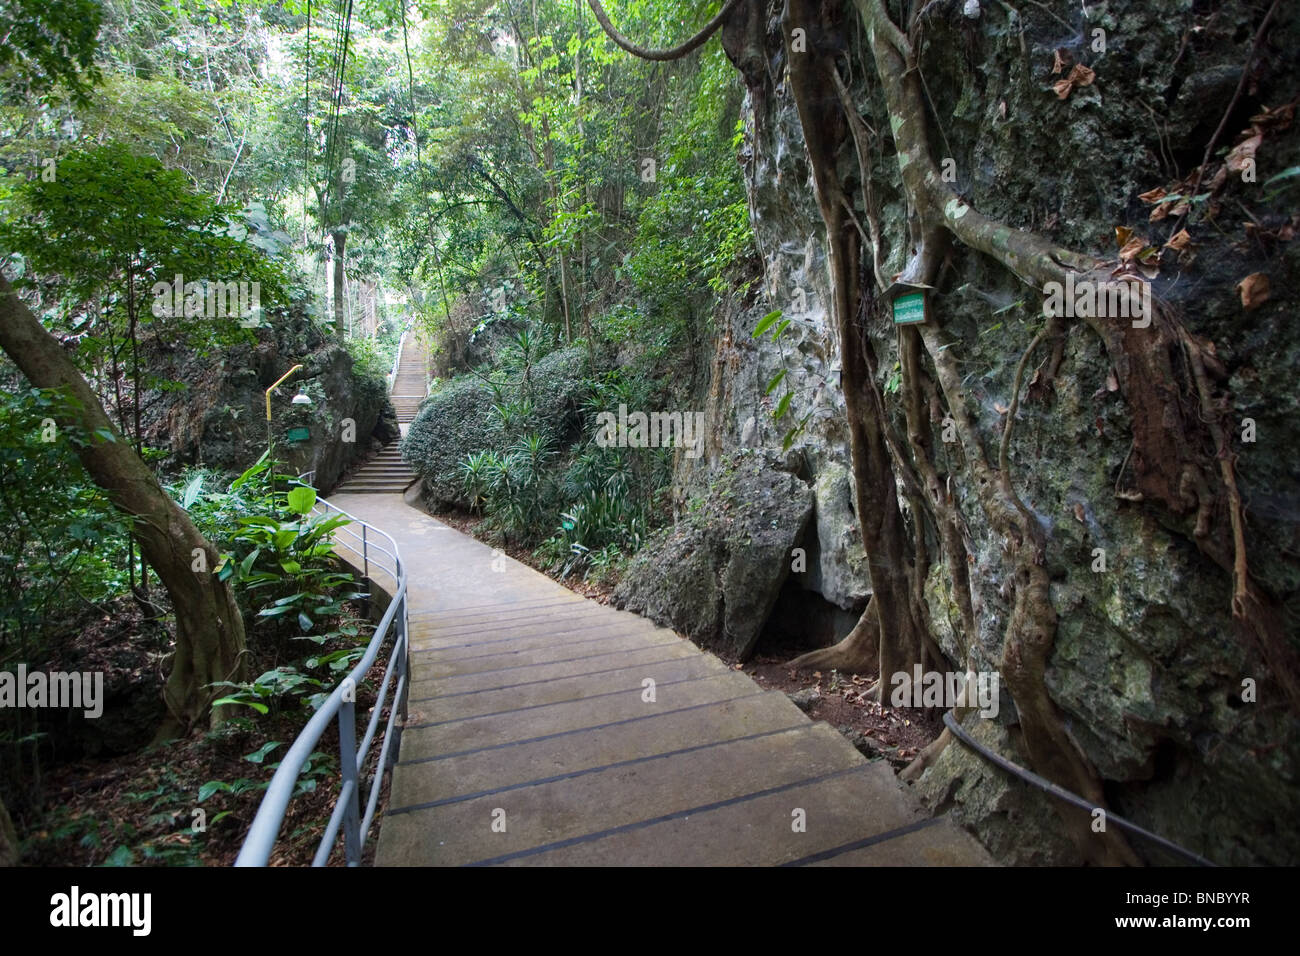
[528, 710]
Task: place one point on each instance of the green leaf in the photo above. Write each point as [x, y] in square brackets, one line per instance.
[122, 856]
[782, 406]
[302, 500]
[305, 622]
[765, 323]
[776, 380]
[258, 755]
[211, 787]
[192, 490]
[776, 333]
[260, 708]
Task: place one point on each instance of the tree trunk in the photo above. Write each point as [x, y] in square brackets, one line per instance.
[896, 642]
[8, 839]
[340, 307]
[209, 628]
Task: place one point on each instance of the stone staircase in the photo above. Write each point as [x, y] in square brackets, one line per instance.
[386, 472]
[411, 381]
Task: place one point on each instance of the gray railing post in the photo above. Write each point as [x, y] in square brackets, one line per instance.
[365, 554]
[348, 758]
[403, 626]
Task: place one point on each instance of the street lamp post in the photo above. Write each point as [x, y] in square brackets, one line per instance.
[300, 399]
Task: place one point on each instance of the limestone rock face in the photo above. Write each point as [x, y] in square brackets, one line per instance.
[716, 574]
[836, 560]
[219, 420]
[1145, 667]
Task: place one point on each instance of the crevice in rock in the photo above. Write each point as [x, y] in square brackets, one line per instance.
[803, 620]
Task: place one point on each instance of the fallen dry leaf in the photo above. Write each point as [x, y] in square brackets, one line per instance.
[1001, 409]
[1253, 290]
[1153, 195]
[1078, 512]
[1132, 249]
[1061, 58]
[1241, 155]
[1082, 75]
[1283, 233]
[1179, 240]
[1122, 235]
[1275, 119]
[1062, 88]
[1112, 383]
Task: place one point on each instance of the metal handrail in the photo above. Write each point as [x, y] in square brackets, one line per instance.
[260, 841]
[397, 360]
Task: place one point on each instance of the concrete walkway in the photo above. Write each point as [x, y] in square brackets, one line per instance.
[533, 737]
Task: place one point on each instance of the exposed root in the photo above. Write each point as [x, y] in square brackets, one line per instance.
[856, 654]
[926, 758]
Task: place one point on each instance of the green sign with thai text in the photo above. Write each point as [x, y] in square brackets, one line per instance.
[909, 309]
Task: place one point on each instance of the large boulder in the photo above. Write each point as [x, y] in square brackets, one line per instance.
[716, 574]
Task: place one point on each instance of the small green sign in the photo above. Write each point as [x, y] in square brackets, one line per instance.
[299, 434]
[909, 308]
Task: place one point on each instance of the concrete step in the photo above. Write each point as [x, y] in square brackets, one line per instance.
[494, 680]
[840, 809]
[519, 699]
[602, 646]
[449, 777]
[512, 624]
[580, 631]
[422, 741]
[570, 806]
[368, 487]
[943, 843]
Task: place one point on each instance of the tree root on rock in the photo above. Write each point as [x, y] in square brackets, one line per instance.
[857, 653]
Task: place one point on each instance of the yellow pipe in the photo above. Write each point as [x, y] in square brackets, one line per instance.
[277, 384]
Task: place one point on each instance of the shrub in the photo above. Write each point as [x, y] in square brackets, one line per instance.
[454, 422]
[468, 415]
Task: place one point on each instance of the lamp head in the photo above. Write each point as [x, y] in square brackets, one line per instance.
[302, 398]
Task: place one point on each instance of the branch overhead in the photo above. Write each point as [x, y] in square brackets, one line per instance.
[675, 53]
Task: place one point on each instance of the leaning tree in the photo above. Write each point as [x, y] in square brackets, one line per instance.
[209, 626]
